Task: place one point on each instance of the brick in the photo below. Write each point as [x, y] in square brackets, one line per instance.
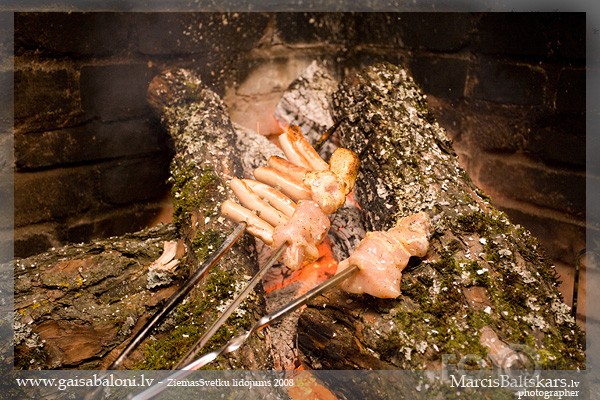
[448, 114]
[570, 29]
[135, 180]
[494, 128]
[526, 35]
[508, 83]
[73, 34]
[222, 35]
[514, 34]
[112, 92]
[321, 28]
[35, 239]
[431, 31]
[560, 140]
[435, 31]
[381, 29]
[53, 194]
[90, 142]
[560, 239]
[555, 189]
[45, 99]
[570, 91]
[491, 133]
[113, 223]
[358, 58]
[440, 76]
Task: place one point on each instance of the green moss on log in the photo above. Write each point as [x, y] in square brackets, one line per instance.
[408, 165]
[192, 190]
[191, 319]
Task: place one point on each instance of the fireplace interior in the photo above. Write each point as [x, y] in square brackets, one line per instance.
[91, 161]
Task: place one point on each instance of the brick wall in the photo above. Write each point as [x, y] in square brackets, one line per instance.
[509, 88]
[515, 107]
[90, 159]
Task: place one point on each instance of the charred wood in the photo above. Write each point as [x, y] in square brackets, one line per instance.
[306, 103]
[254, 150]
[484, 290]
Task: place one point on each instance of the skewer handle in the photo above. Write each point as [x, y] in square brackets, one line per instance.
[176, 298]
[237, 341]
[189, 357]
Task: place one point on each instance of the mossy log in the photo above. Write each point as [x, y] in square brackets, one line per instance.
[206, 157]
[76, 307]
[484, 293]
[76, 304]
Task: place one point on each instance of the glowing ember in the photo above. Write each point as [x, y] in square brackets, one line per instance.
[309, 275]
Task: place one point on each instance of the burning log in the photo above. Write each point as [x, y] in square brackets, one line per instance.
[206, 157]
[483, 278]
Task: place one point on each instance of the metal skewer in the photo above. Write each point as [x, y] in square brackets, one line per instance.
[200, 343]
[195, 278]
[176, 298]
[325, 136]
[230, 309]
[239, 340]
[200, 273]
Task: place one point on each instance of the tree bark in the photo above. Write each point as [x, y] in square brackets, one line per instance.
[77, 306]
[484, 292]
[206, 157]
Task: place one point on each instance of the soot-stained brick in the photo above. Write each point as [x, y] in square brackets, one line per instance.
[89, 142]
[509, 83]
[135, 180]
[559, 139]
[53, 194]
[222, 35]
[330, 28]
[514, 34]
[45, 99]
[439, 76]
[74, 34]
[435, 31]
[570, 93]
[560, 190]
[112, 92]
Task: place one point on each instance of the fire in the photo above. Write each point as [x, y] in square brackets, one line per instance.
[307, 387]
[351, 200]
[313, 273]
[309, 275]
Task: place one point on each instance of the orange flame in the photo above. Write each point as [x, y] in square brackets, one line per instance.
[314, 273]
[310, 274]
